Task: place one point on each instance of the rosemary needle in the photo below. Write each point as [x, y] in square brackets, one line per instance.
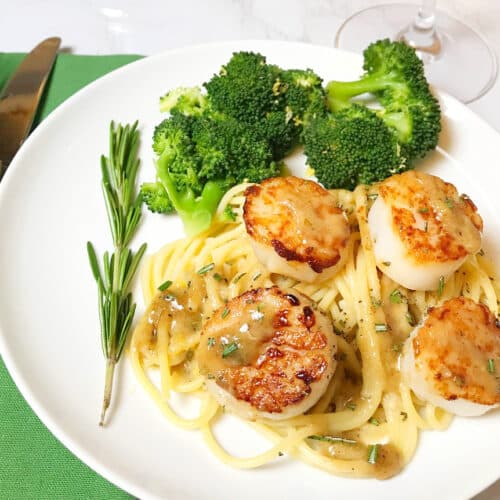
[123, 206]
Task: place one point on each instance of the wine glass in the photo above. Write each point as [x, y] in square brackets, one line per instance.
[457, 59]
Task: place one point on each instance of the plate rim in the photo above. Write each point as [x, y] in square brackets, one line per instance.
[8, 358]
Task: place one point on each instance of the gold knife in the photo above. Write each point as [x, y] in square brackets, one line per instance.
[21, 96]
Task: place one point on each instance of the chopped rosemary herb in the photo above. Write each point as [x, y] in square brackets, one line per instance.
[351, 406]
[372, 453]
[423, 210]
[374, 421]
[397, 347]
[218, 277]
[229, 213]
[165, 285]
[256, 277]
[373, 196]
[396, 296]
[238, 277]
[206, 269]
[332, 439]
[224, 313]
[409, 317]
[491, 365]
[449, 202]
[386, 263]
[381, 327]
[211, 341]
[229, 349]
[440, 286]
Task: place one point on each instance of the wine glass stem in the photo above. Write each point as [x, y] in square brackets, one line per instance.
[426, 16]
[421, 33]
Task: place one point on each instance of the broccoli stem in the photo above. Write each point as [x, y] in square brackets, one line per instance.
[400, 122]
[339, 93]
[196, 212]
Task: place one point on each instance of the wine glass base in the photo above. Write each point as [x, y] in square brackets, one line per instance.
[461, 62]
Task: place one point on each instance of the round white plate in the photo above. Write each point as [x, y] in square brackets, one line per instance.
[51, 204]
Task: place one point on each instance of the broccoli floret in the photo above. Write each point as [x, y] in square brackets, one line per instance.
[350, 147]
[201, 149]
[299, 98]
[279, 131]
[233, 150]
[196, 212]
[244, 88]
[156, 198]
[274, 102]
[173, 135]
[173, 139]
[303, 94]
[186, 100]
[395, 75]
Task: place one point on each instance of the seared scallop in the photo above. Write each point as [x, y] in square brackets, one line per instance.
[267, 353]
[453, 359]
[295, 228]
[422, 230]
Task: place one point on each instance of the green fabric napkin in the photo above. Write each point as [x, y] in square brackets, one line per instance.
[33, 463]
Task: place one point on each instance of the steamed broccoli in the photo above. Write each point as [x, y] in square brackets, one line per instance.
[250, 117]
[299, 98]
[232, 150]
[274, 102]
[303, 95]
[355, 143]
[186, 100]
[196, 211]
[395, 75]
[244, 87]
[156, 198]
[350, 147]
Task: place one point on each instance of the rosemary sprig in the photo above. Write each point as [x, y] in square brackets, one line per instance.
[123, 206]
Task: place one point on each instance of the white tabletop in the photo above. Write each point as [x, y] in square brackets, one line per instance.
[152, 26]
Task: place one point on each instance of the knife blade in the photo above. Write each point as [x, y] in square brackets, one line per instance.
[21, 96]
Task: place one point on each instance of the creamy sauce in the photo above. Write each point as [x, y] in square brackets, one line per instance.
[176, 311]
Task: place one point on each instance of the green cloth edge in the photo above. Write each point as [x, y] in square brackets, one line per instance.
[34, 464]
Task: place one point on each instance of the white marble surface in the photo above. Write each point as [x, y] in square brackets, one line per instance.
[151, 26]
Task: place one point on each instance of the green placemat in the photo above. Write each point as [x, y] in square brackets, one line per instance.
[33, 463]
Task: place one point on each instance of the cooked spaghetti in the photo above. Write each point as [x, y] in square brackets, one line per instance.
[366, 423]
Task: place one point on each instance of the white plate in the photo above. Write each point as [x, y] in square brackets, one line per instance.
[51, 204]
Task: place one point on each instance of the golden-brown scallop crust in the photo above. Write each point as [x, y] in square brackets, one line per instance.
[454, 347]
[448, 226]
[281, 355]
[271, 218]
